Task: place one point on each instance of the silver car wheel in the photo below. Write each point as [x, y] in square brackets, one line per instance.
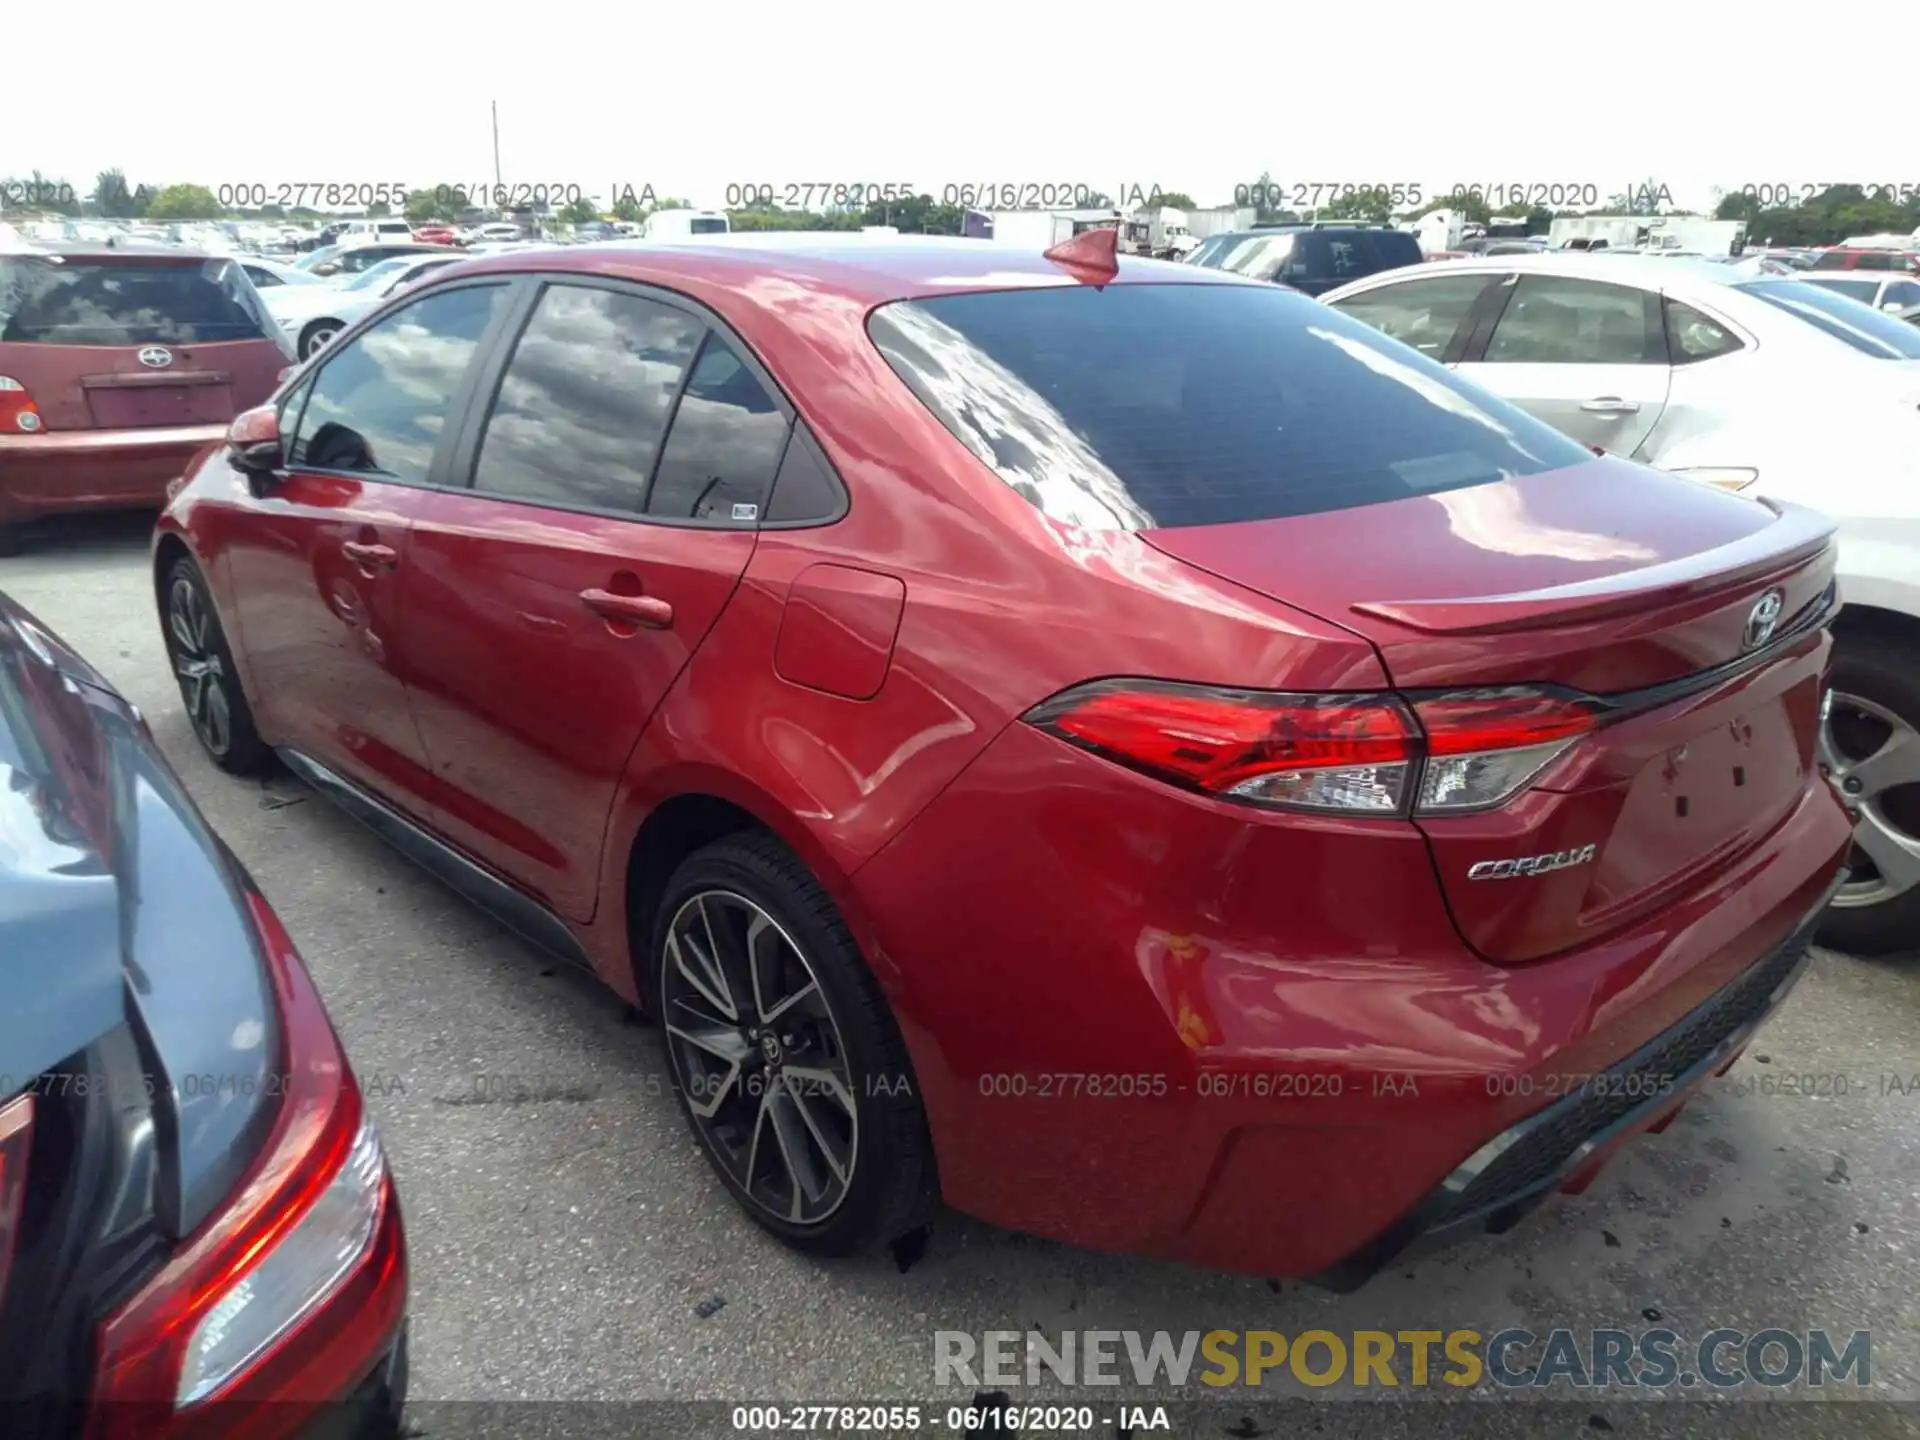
[1868, 751]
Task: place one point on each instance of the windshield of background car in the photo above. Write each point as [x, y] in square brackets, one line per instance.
[1258, 257]
[68, 301]
[1870, 331]
[1156, 406]
[709, 226]
[376, 275]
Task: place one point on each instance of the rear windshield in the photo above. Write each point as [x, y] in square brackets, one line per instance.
[1157, 406]
[713, 225]
[1870, 331]
[50, 301]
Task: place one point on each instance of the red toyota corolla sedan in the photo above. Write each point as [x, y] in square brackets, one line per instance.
[1120, 748]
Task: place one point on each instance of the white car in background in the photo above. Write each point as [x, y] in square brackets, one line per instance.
[1879, 289]
[1759, 383]
[311, 315]
[266, 274]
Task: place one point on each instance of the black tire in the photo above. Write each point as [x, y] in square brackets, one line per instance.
[317, 336]
[891, 1188]
[202, 663]
[1881, 672]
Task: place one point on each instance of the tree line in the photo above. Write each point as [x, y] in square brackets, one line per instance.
[1824, 217]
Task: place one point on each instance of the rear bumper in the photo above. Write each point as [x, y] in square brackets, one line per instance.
[1151, 1022]
[52, 472]
[1503, 1181]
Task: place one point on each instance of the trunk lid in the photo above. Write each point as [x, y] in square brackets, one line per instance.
[1611, 580]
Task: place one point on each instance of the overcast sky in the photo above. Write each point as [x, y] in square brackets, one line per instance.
[691, 97]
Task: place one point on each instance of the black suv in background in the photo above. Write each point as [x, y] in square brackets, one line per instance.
[1311, 258]
[198, 1231]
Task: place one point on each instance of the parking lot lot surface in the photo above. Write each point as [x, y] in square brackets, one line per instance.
[569, 1242]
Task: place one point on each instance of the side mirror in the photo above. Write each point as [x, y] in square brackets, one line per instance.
[329, 268]
[1893, 305]
[253, 442]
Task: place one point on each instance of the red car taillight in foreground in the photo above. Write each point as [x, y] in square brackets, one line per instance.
[1348, 754]
[289, 1296]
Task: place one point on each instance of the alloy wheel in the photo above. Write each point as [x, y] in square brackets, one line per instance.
[759, 1057]
[318, 340]
[1872, 756]
[198, 667]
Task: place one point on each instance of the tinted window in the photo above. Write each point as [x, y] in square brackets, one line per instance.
[1166, 405]
[1554, 321]
[709, 226]
[585, 399]
[806, 489]
[260, 277]
[1420, 313]
[1830, 260]
[1692, 336]
[1870, 331]
[1863, 290]
[380, 403]
[1258, 257]
[1901, 292]
[80, 302]
[1393, 248]
[725, 444]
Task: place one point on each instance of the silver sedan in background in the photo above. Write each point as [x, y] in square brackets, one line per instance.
[1759, 383]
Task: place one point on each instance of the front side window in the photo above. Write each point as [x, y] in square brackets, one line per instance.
[585, 400]
[1154, 406]
[1422, 313]
[1900, 292]
[727, 438]
[381, 402]
[1556, 321]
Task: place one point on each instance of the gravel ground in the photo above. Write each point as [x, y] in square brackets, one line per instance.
[569, 1244]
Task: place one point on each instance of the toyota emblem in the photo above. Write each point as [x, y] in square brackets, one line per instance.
[157, 356]
[1761, 620]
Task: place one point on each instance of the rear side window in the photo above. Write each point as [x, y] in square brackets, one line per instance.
[585, 400]
[1552, 320]
[81, 302]
[1422, 313]
[1692, 336]
[1158, 406]
[727, 438]
[1394, 248]
[1901, 292]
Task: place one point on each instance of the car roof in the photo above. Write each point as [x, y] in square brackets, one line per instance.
[868, 268]
[1649, 270]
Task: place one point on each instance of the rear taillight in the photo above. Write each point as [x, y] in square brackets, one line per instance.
[1364, 754]
[294, 1290]
[18, 413]
[1483, 746]
[16, 1138]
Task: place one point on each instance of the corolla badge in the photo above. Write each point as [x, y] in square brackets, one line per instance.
[1532, 864]
[156, 356]
[1762, 620]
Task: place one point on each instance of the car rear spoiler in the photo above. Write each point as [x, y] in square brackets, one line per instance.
[1796, 536]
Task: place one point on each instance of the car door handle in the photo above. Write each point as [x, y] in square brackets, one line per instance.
[1610, 405]
[648, 610]
[370, 557]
